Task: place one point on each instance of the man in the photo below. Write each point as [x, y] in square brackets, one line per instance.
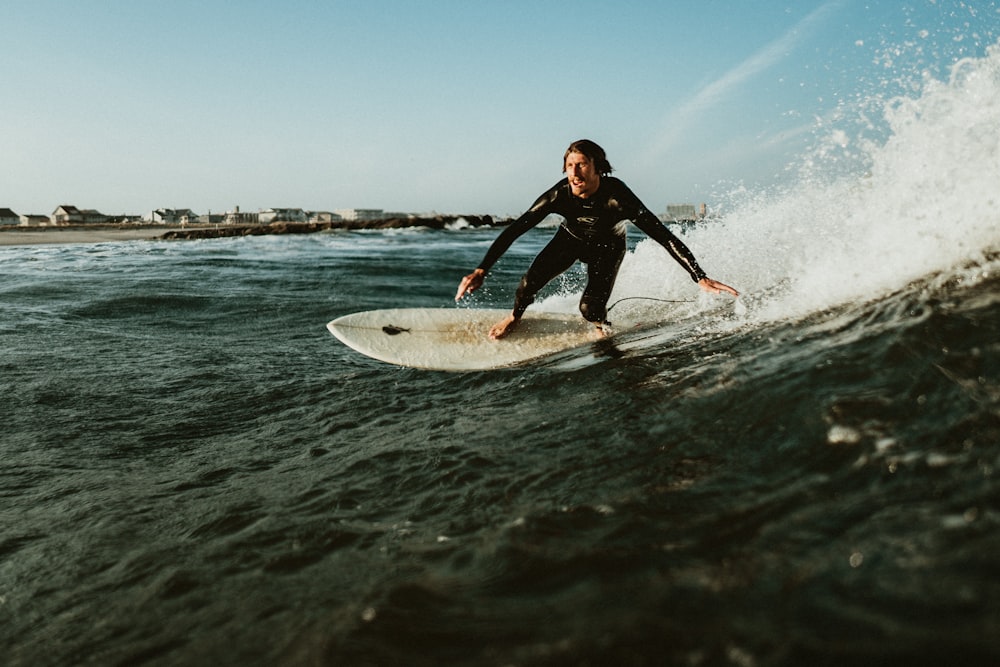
[595, 208]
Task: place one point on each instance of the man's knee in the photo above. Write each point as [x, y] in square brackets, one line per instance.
[525, 291]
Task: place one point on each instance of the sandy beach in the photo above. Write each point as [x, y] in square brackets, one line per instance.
[15, 236]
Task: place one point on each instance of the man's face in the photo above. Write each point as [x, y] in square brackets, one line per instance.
[583, 177]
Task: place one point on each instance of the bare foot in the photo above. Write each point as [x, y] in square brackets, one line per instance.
[503, 327]
[602, 330]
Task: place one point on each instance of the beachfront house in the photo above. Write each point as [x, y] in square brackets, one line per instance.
[92, 217]
[269, 215]
[237, 217]
[173, 216]
[71, 215]
[124, 219]
[685, 213]
[8, 217]
[324, 216]
[360, 213]
[67, 215]
[211, 219]
[34, 220]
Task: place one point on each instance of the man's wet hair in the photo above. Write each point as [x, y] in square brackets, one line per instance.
[591, 150]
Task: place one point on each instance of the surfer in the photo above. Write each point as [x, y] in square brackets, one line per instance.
[595, 207]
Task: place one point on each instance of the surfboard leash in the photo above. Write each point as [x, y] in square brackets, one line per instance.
[649, 298]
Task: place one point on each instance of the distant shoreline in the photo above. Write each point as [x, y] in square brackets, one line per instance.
[16, 235]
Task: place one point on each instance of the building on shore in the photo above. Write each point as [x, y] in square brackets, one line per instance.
[35, 220]
[173, 216]
[269, 215]
[124, 219]
[71, 215]
[8, 217]
[67, 215]
[324, 216]
[685, 213]
[351, 214]
[237, 217]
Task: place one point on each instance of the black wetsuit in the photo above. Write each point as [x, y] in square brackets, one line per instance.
[593, 231]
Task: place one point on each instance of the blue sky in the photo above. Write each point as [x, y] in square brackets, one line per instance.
[454, 106]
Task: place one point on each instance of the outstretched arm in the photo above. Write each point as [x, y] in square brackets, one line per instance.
[529, 219]
[644, 219]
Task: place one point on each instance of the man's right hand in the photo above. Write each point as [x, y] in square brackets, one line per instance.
[470, 283]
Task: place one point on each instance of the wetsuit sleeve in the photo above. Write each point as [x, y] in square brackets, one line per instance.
[650, 225]
[680, 252]
[538, 212]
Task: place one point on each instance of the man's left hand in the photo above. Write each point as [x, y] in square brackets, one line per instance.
[714, 286]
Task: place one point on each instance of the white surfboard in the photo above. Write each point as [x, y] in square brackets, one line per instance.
[454, 339]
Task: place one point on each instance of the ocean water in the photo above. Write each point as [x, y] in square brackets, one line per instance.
[194, 472]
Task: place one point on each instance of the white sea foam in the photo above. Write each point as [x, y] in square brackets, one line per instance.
[924, 200]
